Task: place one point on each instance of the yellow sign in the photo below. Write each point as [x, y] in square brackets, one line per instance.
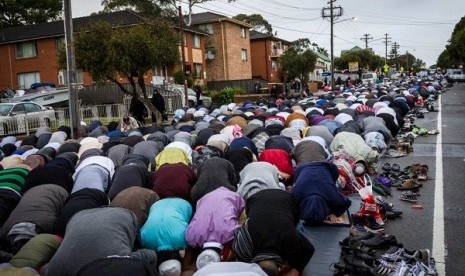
[402, 69]
[353, 66]
[386, 68]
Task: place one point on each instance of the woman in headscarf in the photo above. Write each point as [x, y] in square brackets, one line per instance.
[133, 173]
[322, 132]
[309, 151]
[282, 161]
[240, 158]
[165, 232]
[183, 146]
[204, 135]
[10, 190]
[136, 199]
[171, 156]
[214, 173]
[149, 149]
[49, 175]
[98, 233]
[222, 223]
[94, 172]
[316, 191]
[83, 199]
[117, 153]
[36, 213]
[258, 176]
[244, 142]
[174, 180]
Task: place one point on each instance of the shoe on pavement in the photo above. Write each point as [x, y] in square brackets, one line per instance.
[409, 198]
[380, 241]
[409, 184]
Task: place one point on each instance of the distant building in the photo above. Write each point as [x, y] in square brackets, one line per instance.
[356, 48]
[323, 64]
[265, 51]
[29, 53]
[227, 48]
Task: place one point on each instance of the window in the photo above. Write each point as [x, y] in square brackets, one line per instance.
[184, 37]
[26, 79]
[19, 108]
[63, 77]
[60, 44]
[198, 70]
[26, 50]
[243, 32]
[206, 28]
[244, 54]
[30, 107]
[274, 66]
[195, 41]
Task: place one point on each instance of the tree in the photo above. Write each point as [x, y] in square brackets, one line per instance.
[298, 60]
[257, 21]
[366, 60]
[28, 12]
[152, 7]
[106, 52]
[454, 54]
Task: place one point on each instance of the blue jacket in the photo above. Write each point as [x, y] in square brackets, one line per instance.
[316, 191]
[166, 225]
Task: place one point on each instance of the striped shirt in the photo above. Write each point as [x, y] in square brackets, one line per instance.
[13, 178]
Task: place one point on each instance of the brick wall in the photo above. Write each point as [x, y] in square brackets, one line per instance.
[238, 69]
[259, 55]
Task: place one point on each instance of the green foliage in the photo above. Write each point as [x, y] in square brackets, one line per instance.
[179, 77]
[257, 21]
[298, 60]
[148, 8]
[27, 12]
[365, 58]
[454, 54]
[226, 95]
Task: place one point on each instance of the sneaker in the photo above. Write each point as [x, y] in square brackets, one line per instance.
[425, 256]
[207, 257]
[401, 254]
[380, 241]
[381, 267]
[411, 193]
[402, 269]
[409, 198]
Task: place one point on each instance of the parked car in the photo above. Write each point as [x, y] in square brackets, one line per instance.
[369, 77]
[455, 75]
[192, 99]
[23, 117]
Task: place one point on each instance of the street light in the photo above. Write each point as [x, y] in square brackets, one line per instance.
[332, 47]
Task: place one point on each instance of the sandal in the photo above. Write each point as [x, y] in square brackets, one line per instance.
[386, 167]
[395, 168]
[409, 184]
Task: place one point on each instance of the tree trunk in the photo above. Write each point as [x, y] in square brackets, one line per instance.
[145, 98]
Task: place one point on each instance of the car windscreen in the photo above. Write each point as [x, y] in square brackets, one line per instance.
[367, 76]
[5, 109]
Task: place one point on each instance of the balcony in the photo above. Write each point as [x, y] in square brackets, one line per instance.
[276, 53]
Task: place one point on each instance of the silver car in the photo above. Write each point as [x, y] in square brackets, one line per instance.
[23, 117]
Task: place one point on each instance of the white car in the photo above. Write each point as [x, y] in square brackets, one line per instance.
[23, 117]
[192, 99]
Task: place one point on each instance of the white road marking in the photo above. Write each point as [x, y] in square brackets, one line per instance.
[439, 246]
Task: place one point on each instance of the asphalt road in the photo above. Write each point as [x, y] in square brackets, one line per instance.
[415, 229]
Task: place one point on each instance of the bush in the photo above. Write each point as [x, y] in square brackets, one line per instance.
[226, 95]
[179, 77]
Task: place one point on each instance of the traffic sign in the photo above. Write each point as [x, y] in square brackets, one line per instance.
[326, 74]
[401, 69]
[386, 68]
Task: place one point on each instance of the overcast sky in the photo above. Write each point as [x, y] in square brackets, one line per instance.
[421, 27]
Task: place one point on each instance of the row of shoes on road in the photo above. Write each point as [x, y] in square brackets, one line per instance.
[373, 213]
[367, 253]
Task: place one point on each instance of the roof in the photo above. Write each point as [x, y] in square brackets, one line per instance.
[210, 17]
[355, 48]
[56, 28]
[254, 35]
[322, 56]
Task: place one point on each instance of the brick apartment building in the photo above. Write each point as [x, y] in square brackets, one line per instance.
[29, 53]
[228, 53]
[265, 52]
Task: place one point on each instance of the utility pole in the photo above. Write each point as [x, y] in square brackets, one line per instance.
[386, 41]
[71, 70]
[183, 55]
[394, 49]
[365, 38]
[406, 57]
[333, 13]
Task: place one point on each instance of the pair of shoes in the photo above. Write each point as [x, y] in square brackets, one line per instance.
[380, 241]
[409, 184]
[369, 223]
[401, 254]
[411, 193]
[433, 131]
[423, 131]
[382, 267]
[410, 198]
[421, 170]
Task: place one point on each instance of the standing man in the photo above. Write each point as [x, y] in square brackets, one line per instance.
[257, 87]
[198, 93]
[159, 103]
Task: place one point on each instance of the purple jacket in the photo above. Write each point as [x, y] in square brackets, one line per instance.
[216, 218]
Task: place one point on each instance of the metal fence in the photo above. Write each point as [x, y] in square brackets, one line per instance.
[29, 122]
[246, 85]
[110, 94]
